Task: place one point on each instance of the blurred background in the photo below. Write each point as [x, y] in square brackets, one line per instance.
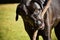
[11, 29]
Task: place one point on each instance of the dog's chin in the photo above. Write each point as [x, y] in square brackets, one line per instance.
[41, 27]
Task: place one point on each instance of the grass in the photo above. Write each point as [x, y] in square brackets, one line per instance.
[11, 29]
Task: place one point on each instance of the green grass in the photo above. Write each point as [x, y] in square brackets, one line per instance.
[11, 29]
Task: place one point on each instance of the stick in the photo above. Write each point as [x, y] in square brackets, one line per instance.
[46, 8]
[35, 35]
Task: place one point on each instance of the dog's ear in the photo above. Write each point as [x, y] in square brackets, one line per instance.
[16, 17]
[17, 12]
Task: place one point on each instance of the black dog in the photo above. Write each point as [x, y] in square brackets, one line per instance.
[30, 14]
[32, 20]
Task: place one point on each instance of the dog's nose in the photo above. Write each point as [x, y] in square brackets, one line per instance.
[39, 22]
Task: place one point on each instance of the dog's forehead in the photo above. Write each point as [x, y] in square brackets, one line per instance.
[28, 2]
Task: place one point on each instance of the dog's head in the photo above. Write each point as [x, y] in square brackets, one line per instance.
[33, 16]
